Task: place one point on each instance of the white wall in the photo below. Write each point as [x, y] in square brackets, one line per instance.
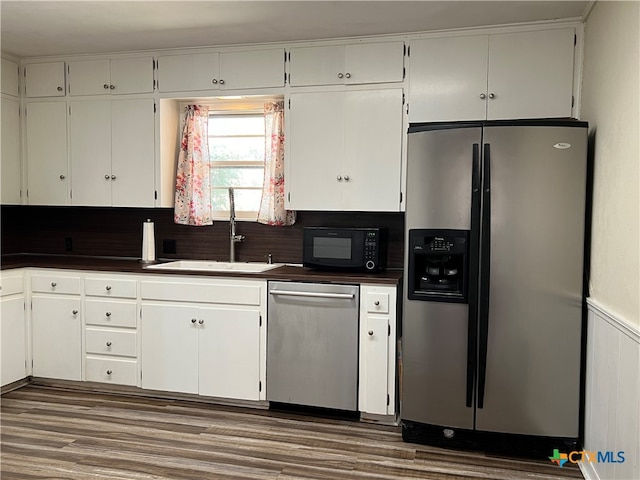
[611, 104]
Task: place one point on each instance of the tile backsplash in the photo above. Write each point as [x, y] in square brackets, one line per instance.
[118, 232]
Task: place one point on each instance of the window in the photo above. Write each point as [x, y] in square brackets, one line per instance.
[236, 152]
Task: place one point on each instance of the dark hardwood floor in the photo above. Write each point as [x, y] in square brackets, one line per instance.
[58, 433]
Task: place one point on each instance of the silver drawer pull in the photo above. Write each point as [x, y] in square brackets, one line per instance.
[376, 303]
[54, 284]
[109, 372]
[370, 332]
[108, 344]
[201, 321]
[108, 288]
[193, 320]
[292, 293]
[75, 312]
[108, 314]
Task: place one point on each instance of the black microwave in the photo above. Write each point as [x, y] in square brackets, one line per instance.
[349, 249]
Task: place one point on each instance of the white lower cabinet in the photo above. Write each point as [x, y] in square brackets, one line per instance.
[13, 328]
[378, 318]
[56, 336]
[111, 334]
[194, 342]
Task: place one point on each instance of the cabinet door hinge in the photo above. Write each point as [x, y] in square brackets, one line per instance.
[404, 49]
[289, 99]
[285, 56]
[24, 305]
[573, 100]
[260, 322]
[289, 196]
[409, 51]
[575, 40]
[153, 64]
[154, 84]
[154, 107]
[404, 73]
[69, 109]
[403, 98]
[400, 197]
[289, 55]
[259, 386]
[389, 332]
[155, 194]
[285, 77]
[407, 108]
[388, 400]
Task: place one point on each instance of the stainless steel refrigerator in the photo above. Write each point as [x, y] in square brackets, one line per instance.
[494, 265]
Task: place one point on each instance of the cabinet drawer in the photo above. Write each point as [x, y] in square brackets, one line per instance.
[229, 294]
[377, 302]
[55, 284]
[121, 372]
[11, 285]
[109, 287]
[110, 342]
[110, 313]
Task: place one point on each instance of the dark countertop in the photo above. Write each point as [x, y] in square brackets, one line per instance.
[132, 265]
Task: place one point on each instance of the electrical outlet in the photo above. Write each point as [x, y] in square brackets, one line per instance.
[168, 246]
[68, 244]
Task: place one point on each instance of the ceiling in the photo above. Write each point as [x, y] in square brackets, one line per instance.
[53, 28]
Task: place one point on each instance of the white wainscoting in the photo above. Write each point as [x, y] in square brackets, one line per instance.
[612, 415]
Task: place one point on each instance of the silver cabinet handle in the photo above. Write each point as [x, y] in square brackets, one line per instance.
[346, 178]
[339, 178]
[108, 344]
[59, 89]
[105, 86]
[340, 75]
[54, 284]
[107, 177]
[483, 96]
[62, 177]
[492, 95]
[108, 288]
[370, 332]
[108, 314]
[221, 82]
[112, 87]
[348, 75]
[193, 320]
[75, 312]
[113, 177]
[376, 303]
[109, 372]
[214, 81]
[294, 293]
[201, 321]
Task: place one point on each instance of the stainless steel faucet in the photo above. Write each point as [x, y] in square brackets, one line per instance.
[233, 238]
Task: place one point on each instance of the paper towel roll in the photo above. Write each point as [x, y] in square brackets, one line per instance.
[148, 242]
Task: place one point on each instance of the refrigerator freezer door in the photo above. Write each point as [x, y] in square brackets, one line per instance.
[536, 270]
[439, 169]
[434, 364]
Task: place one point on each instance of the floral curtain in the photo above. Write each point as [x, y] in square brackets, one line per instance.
[193, 178]
[272, 211]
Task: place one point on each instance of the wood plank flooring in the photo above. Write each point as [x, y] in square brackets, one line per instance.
[57, 433]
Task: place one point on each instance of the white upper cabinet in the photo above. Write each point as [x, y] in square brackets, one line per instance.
[252, 69]
[345, 150]
[221, 71]
[112, 152]
[46, 145]
[347, 64]
[492, 77]
[10, 144]
[448, 79]
[45, 79]
[111, 77]
[10, 74]
[531, 74]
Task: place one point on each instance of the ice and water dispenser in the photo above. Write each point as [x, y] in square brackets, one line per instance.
[438, 264]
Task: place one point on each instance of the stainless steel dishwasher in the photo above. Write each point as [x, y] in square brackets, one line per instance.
[312, 344]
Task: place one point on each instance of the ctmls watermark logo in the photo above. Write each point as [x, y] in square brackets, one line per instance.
[584, 456]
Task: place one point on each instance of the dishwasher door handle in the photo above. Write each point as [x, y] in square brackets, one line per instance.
[293, 293]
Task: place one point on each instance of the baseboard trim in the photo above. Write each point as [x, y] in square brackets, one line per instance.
[626, 327]
[589, 472]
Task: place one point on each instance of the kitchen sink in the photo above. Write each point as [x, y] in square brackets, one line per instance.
[211, 266]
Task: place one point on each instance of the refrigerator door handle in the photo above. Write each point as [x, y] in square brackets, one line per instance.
[474, 244]
[485, 262]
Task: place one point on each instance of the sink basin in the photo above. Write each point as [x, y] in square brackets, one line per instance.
[211, 266]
